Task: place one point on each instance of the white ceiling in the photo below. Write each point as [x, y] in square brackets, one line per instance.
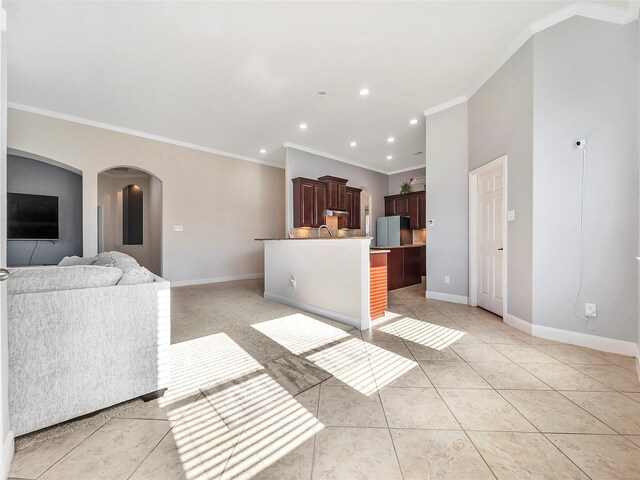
[238, 77]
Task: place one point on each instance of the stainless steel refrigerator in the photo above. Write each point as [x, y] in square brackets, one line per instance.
[393, 231]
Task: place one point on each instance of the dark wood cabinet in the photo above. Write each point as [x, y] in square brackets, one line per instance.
[402, 205]
[336, 192]
[414, 210]
[395, 270]
[423, 260]
[309, 202]
[403, 267]
[411, 264]
[320, 204]
[390, 206]
[417, 208]
[352, 205]
[411, 204]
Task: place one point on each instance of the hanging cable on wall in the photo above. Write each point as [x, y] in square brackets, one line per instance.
[581, 144]
[34, 251]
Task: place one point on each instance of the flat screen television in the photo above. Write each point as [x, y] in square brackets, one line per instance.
[32, 217]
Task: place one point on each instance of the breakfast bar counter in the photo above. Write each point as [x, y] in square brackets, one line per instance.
[327, 276]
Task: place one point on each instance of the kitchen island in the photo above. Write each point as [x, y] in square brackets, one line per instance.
[327, 276]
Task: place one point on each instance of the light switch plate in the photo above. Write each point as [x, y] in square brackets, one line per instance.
[178, 228]
[511, 215]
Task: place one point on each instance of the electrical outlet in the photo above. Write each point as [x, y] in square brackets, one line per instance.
[446, 279]
[590, 310]
[292, 283]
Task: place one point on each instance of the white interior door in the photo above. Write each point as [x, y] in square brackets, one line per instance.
[490, 239]
[7, 436]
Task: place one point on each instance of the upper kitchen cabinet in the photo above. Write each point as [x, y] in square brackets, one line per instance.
[352, 204]
[402, 205]
[411, 204]
[337, 192]
[390, 206]
[417, 206]
[310, 201]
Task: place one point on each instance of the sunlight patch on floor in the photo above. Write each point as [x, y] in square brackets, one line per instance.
[364, 367]
[299, 333]
[271, 435]
[424, 333]
[206, 361]
[387, 366]
[242, 425]
[239, 401]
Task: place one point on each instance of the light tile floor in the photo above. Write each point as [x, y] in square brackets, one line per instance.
[435, 390]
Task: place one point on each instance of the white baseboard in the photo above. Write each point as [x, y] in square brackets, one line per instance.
[338, 317]
[595, 342]
[7, 454]
[518, 323]
[447, 297]
[203, 281]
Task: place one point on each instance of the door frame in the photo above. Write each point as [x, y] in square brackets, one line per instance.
[473, 230]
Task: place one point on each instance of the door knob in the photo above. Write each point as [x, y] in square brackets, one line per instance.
[4, 274]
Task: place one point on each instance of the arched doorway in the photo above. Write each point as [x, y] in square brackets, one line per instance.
[130, 215]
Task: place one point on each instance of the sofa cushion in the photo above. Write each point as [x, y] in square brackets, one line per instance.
[135, 276]
[46, 279]
[75, 260]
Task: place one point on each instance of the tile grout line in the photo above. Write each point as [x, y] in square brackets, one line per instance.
[66, 454]
[315, 434]
[384, 413]
[564, 454]
[456, 418]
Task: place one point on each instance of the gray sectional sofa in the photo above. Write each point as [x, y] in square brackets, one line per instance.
[84, 336]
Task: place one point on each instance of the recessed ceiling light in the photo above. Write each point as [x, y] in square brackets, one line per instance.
[322, 93]
[262, 150]
[353, 144]
[391, 139]
[389, 157]
[413, 121]
[364, 92]
[303, 126]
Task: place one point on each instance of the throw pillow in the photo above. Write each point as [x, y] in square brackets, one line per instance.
[135, 276]
[75, 260]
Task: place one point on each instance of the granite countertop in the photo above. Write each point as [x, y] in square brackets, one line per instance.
[377, 250]
[411, 245]
[314, 238]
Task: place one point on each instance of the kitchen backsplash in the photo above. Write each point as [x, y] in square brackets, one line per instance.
[419, 237]
[332, 223]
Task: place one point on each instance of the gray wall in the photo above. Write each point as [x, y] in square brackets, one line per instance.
[25, 175]
[397, 179]
[586, 85]
[447, 201]
[309, 165]
[501, 122]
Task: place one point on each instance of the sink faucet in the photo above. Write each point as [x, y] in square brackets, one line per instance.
[324, 226]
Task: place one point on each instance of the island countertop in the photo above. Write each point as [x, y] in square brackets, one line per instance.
[312, 238]
[411, 245]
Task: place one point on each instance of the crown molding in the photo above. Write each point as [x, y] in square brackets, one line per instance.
[136, 133]
[594, 11]
[337, 158]
[408, 169]
[446, 105]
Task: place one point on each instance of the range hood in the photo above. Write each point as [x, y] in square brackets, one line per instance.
[336, 213]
